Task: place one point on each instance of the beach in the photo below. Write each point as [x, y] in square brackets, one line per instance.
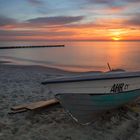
[21, 84]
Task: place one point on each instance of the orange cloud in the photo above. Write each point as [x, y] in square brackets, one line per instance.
[101, 29]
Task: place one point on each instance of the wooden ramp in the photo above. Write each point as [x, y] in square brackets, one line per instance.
[33, 106]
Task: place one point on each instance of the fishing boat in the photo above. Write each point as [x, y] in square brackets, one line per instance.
[86, 96]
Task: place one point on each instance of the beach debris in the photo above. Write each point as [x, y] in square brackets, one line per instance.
[134, 106]
[33, 106]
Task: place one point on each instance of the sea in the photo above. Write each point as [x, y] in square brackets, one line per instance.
[78, 56]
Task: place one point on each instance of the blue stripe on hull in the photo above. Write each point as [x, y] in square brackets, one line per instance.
[85, 107]
[114, 100]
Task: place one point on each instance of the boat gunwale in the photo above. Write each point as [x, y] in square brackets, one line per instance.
[54, 81]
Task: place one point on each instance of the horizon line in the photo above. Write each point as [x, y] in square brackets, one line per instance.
[72, 40]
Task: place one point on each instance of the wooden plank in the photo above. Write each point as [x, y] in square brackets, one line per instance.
[18, 107]
[42, 104]
[35, 105]
[17, 111]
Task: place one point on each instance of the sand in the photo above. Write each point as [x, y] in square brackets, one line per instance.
[21, 84]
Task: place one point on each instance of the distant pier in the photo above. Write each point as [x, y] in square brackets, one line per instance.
[39, 46]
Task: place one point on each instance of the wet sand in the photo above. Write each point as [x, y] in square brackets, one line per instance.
[21, 84]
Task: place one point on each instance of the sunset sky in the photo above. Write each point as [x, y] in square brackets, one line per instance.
[69, 20]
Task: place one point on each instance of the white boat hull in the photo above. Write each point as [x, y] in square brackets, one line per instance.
[86, 97]
[96, 86]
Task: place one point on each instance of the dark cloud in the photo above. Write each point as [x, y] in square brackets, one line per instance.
[35, 2]
[34, 33]
[132, 1]
[6, 21]
[114, 2]
[134, 21]
[105, 2]
[58, 20]
[100, 1]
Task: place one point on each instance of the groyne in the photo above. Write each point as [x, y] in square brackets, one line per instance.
[38, 46]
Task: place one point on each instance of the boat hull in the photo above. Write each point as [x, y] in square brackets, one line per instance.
[85, 107]
[86, 96]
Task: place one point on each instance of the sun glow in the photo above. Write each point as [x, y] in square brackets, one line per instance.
[116, 35]
[116, 38]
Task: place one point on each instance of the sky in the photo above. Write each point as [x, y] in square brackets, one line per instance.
[69, 20]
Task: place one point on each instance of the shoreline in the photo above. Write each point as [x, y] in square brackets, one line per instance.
[22, 84]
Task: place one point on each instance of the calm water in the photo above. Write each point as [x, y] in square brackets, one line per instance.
[77, 56]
